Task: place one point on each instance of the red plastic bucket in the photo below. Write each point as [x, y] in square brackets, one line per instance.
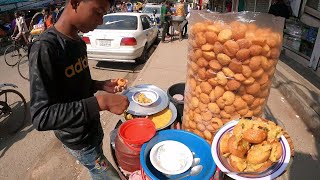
[137, 131]
[131, 136]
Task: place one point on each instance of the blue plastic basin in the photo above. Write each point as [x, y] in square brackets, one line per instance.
[195, 143]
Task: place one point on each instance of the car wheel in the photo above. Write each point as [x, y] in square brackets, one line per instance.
[144, 56]
[157, 39]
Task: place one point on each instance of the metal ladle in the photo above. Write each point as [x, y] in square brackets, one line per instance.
[195, 162]
[193, 172]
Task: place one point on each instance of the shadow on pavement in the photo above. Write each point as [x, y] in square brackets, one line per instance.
[116, 66]
[303, 165]
[7, 138]
[122, 66]
[10, 123]
[7, 142]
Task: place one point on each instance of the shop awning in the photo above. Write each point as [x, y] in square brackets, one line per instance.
[5, 2]
[40, 4]
[7, 5]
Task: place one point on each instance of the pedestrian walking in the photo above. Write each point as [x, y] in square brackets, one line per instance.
[165, 16]
[186, 12]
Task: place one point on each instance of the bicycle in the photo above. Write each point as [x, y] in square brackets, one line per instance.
[13, 109]
[13, 53]
[23, 67]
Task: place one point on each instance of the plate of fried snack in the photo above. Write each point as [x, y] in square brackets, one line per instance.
[255, 146]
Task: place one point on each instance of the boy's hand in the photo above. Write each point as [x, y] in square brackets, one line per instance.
[114, 103]
[113, 85]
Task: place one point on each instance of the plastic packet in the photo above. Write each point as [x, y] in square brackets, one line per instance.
[231, 62]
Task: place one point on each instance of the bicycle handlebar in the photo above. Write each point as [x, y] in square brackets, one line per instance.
[8, 84]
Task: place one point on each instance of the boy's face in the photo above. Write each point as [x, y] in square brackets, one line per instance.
[90, 14]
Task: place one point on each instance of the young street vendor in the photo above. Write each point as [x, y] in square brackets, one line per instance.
[62, 91]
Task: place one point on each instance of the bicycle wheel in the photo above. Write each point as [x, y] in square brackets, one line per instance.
[12, 55]
[13, 111]
[23, 67]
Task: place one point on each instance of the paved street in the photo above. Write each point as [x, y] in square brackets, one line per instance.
[30, 154]
[38, 155]
[280, 107]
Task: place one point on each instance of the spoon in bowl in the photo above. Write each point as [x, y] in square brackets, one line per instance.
[195, 162]
[193, 172]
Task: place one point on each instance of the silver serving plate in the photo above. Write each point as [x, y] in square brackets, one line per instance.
[137, 110]
[178, 18]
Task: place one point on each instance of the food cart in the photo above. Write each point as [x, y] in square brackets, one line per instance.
[223, 103]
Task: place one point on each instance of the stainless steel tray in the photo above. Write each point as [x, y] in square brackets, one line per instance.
[137, 110]
[173, 117]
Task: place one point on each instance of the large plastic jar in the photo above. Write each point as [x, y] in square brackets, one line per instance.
[180, 9]
[231, 62]
[130, 138]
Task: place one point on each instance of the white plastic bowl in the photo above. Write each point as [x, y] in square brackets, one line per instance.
[149, 94]
[171, 157]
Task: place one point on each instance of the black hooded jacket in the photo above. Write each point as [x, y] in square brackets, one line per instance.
[62, 95]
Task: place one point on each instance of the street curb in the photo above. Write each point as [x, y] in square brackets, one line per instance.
[305, 107]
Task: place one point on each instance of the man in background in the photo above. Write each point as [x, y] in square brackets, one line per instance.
[279, 8]
[21, 27]
[53, 13]
[165, 16]
[186, 12]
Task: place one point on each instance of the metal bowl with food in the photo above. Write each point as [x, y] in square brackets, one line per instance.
[138, 110]
[251, 149]
[145, 97]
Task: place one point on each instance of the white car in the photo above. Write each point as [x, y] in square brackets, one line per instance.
[123, 37]
[149, 9]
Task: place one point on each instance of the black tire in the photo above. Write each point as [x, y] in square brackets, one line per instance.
[23, 68]
[13, 122]
[12, 55]
[144, 56]
[158, 39]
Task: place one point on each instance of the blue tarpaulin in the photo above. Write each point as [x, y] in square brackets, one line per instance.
[5, 2]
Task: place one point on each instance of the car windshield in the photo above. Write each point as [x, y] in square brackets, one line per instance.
[119, 22]
[150, 10]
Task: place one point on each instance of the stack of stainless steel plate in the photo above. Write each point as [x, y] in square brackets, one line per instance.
[158, 106]
[178, 18]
